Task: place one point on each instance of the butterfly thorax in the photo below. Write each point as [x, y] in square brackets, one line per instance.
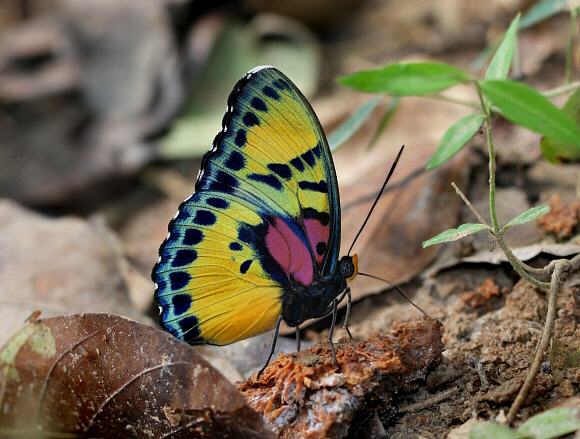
[301, 303]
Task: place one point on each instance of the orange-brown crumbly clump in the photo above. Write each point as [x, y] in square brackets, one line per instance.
[483, 294]
[307, 395]
[562, 219]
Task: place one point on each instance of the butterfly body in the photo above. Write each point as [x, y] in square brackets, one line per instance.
[260, 236]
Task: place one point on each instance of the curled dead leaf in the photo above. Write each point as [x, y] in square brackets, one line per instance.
[100, 375]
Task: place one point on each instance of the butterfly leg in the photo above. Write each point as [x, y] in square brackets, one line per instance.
[297, 338]
[273, 346]
[348, 303]
[334, 312]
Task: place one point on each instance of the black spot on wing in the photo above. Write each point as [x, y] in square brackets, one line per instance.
[268, 179]
[218, 203]
[311, 186]
[190, 332]
[250, 119]
[245, 235]
[280, 84]
[281, 169]
[321, 248]
[297, 163]
[245, 266]
[192, 237]
[236, 246]
[225, 179]
[317, 150]
[204, 218]
[235, 161]
[184, 257]
[181, 303]
[241, 138]
[178, 280]
[270, 92]
[308, 157]
[258, 104]
[322, 217]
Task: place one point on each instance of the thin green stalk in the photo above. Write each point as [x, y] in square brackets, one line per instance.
[492, 166]
[454, 100]
[514, 261]
[516, 62]
[561, 90]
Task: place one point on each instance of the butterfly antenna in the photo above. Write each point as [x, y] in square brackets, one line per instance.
[377, 198]
[396, 288]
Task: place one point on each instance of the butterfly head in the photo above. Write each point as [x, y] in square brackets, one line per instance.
[348, 267]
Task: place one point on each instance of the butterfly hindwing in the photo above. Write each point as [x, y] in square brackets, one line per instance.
[210, 283]
[264, 217]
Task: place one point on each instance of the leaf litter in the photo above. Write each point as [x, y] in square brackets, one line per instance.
[100, 375]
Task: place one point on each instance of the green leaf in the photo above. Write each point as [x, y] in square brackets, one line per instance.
[483, 57]
[405, 79]
[528, 215]
[385, 120]
[557, 150]
[527, 107]
[455, 138]
[352, 124]
[487, 430]
[552, 423]
[502, 60]
[455, 234]
[541, 10]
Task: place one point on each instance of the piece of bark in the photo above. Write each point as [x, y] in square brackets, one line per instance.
[305, 395]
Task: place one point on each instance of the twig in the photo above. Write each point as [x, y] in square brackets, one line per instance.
[435, 399]
[561, 270]
[466, 201]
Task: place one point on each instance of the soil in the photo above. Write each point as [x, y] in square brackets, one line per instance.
[488, 350]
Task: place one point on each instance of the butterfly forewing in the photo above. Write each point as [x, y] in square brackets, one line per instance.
[275, 154]
[265, 216]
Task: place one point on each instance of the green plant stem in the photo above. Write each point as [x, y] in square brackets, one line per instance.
[572, 86]
[543, 270]
[492, 166]
[516, 263]
[516, 61]
[454, 100]
[561, 269]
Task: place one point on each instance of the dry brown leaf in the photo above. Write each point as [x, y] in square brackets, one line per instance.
[100, 375]
[58, 266]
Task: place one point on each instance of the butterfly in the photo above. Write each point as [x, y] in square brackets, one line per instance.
[258, 241]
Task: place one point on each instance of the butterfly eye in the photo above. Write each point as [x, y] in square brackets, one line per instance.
[348, 267]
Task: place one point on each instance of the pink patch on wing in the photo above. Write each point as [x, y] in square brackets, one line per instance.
[316, 233]
[290, 252]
